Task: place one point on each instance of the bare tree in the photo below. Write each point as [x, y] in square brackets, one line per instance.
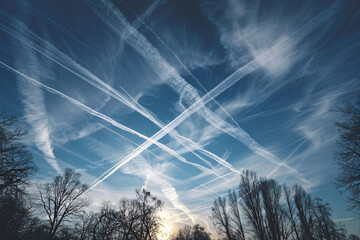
[326, 227]
[105, 227]
[16, 167]
[62, 198]
[184, 233]
[130, 219]
[192, 233]
[347, 156]
[148, 206]
[239, 232]
[221, 217]
[274, 212]
[271, 193]
[251, 203]
[16, 164]
[85, 226]
[303, 204]
[290, 212]
[199, 233]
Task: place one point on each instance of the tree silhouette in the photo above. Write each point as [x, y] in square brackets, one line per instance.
[196, 232]
[221, 217]
[347, 156]
[130, 219]
[14, 217]
[272, 212]
[62, 198]
[16, 167]
[148, 206]
[238, 231]
[251, 204]
[16, 164]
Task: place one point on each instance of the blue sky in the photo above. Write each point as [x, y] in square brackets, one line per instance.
[181, 96]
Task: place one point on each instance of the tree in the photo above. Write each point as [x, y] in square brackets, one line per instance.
[16, 164]
[128, 216]
[14, 217]
[184, 233]
[148, 206]
[274, 212]
[221, 217]
[239, 232]
[303, 204]
[130, 219]
[326, 228]
[16, 167]
[62, 199]
[192, 233]
[290, 212]
[85, 226]
[199, 233]
[347, 155]
[353, 237]
[251, 203]
[271, 192]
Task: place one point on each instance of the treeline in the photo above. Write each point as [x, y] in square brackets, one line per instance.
[56, 210]
[260, 209]
[263, 209]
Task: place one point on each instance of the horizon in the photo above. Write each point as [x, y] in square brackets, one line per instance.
[180, 97]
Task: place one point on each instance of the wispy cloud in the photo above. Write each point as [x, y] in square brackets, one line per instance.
[95, 84]
[22, 33]
[118, 23]
[34, 108]
[109, 120]
[225, 84]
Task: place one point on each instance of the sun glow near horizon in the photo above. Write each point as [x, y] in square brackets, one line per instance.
[165, 230]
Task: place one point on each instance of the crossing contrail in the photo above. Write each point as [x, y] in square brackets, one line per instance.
[177, 58]
[118, 23]
[227, 83]
[158, 157]
[32, 40]
[108, 119]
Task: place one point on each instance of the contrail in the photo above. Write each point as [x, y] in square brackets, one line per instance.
[227, 83]
[184, 141]
[45, 48]
[147, 150]
[134, 143]
[177, 58]
[208, 182]
[118, 23]
[108, 119]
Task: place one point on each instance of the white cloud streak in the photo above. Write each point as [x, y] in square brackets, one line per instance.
[224, 85]
[36, 116]
[179, 60]
[32, 40]
[141, 168]
[35, 110]
[108, 119]
[117, 22]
